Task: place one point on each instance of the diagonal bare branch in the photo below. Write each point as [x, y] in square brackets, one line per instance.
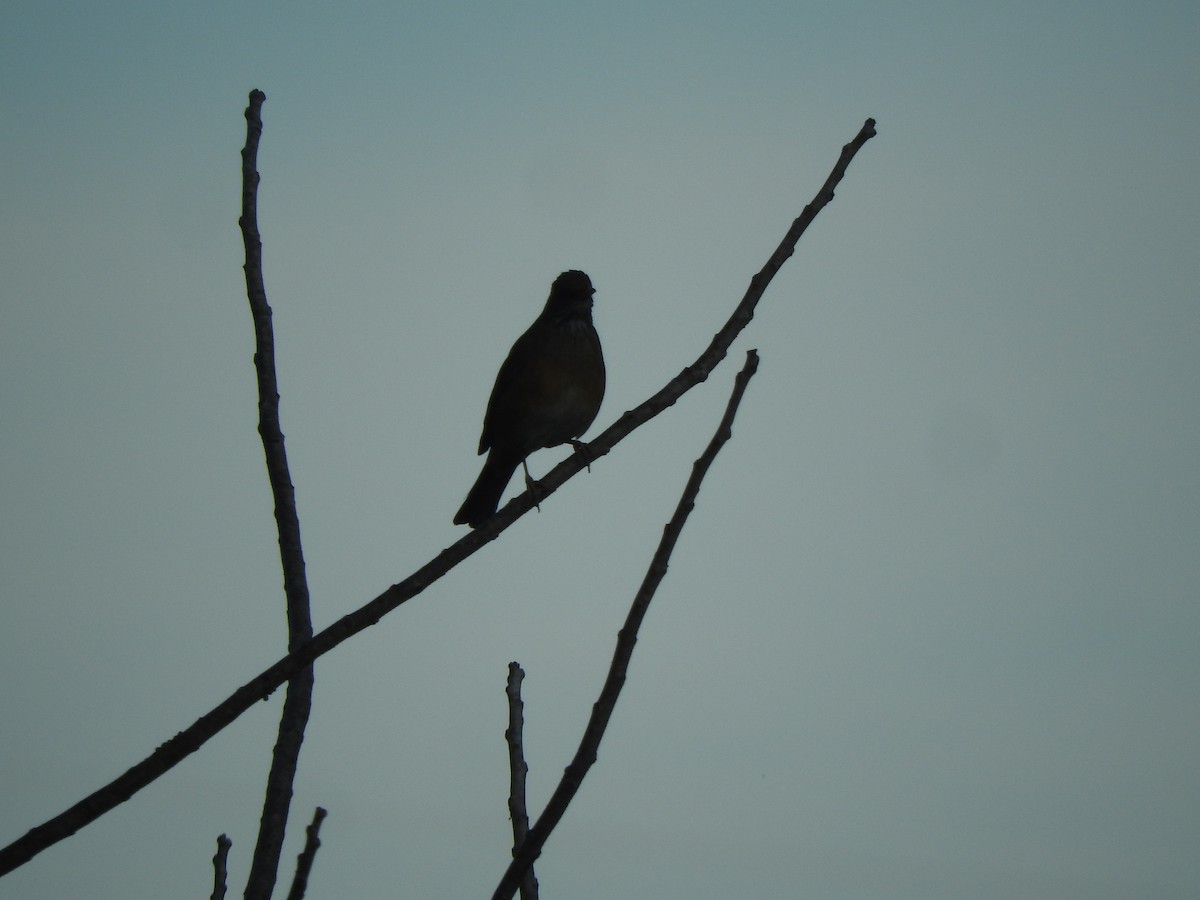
[262, 685]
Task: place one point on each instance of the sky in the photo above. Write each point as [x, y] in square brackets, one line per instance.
[932, 629]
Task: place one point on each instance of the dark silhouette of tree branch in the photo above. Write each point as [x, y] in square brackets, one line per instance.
[297, 704]
[517, 770]
[304, 861]
[186, 742]
[602, 709]
[220, 860]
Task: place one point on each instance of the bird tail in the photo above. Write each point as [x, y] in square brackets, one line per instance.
[484, 496]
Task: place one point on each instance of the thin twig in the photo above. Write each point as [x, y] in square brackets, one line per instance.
[304, 861]
[264, 866]
[517, 770]
[262, 685]
[220, 867]
[602, 710]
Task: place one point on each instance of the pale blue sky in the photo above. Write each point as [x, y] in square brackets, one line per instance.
[932, 631]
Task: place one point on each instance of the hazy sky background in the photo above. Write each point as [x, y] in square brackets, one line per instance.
[933, 629]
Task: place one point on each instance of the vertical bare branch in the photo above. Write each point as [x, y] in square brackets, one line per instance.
[305, 860]
[220, 870]
[298, 702]
[517, 770]
[602, 710]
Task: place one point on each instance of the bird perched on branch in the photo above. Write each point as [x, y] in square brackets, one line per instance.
[547, 392]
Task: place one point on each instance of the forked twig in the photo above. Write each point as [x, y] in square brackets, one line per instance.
[602, 710]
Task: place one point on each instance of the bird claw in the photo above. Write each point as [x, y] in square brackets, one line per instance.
[583, 450]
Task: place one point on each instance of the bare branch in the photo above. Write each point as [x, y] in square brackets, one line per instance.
[220, 859]
[517, 770]
[305, 860]
[293, 719]
[602, 710]
[262, 685]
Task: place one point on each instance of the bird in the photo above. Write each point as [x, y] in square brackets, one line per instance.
[547, 393]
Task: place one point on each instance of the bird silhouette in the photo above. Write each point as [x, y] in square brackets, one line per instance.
[547, 392]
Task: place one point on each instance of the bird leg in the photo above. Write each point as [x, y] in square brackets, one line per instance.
[532, 485]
